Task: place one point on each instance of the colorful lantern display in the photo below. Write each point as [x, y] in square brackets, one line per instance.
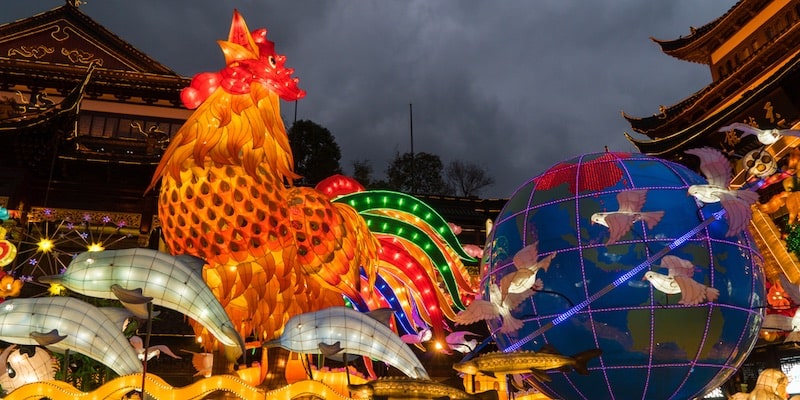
[657, 343]
[275, 250]
[172, 282]
[62, 323]
[25, 365]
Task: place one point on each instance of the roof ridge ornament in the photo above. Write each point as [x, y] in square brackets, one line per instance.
[75, 3]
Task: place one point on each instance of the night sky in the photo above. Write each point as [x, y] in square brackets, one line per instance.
[514, 86]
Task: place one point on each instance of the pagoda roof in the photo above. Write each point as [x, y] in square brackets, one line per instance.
[41, 111]
[652, 125]
[697, 132]
[53, 49]
[697, 106]
[701, 42]
[65, 35]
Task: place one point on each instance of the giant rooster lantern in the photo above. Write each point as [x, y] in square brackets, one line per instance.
[274, 250]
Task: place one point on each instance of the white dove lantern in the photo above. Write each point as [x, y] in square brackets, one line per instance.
[150, 352]
[495, 307]
[679, 281]
[423, 335]
[717, 171]
[202, 362]
[765, 136]
[527, 264]
[619, 222]
[457, 341]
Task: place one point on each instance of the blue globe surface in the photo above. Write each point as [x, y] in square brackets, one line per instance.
[653, 347]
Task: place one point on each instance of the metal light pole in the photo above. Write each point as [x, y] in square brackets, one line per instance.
[411, 132]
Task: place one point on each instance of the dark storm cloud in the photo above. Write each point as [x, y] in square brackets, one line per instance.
[515, 86]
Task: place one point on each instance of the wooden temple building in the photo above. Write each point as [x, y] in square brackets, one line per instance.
[753, 53]
[85, 117]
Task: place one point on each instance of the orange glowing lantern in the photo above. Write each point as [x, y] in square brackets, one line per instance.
[769, 336]
[777, 297]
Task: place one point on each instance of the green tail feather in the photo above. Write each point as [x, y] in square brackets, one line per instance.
[384, 199]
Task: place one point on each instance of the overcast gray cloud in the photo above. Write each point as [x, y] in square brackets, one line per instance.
[515, 86]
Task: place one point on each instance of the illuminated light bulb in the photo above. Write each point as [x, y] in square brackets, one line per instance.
[45, 245]
[56, 289]
[95, 247]
[438, 346]
[199, 339]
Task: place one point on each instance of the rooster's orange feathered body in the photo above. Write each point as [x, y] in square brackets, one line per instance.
[273, 250]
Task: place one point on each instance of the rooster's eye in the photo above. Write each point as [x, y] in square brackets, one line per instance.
[272, 61]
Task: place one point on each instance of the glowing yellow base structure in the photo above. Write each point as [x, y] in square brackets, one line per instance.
[158, 389]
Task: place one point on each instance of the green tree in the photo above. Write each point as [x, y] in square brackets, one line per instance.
[417, 173]
[362, 172]
[316, 153]
[467, 178]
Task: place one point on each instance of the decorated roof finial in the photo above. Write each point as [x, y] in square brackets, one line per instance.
[75, 3]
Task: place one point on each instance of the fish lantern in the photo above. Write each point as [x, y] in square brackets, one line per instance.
[25, 365]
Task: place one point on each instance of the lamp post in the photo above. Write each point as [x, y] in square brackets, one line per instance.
[142, 308]
[411, 133]
[147, 343]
